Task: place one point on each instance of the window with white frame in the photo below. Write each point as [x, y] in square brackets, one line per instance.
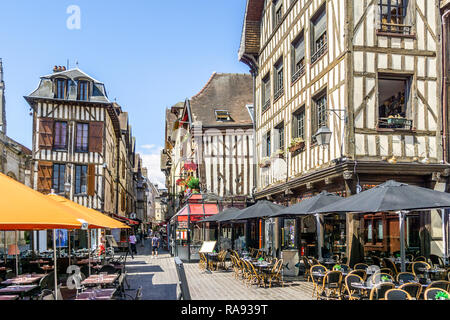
[266, 92]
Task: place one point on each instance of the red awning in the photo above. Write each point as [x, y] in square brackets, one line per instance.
[196, 211]
[126, 220]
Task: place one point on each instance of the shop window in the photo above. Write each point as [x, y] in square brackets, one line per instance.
[288, 234]
[394, 102]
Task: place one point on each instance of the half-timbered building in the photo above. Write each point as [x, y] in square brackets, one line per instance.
[367, 75]
[77, 136]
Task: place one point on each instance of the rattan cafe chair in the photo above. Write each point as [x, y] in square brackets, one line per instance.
[378, 292]
[361, 273]
[275, 275]
[417, 268]
[406, 277]
[397, 294]
[443, 284]
[414, 289]
[317, 280]
[430, 293]
[361, 266]
[352, 292]
[332, 285]
[307, 274]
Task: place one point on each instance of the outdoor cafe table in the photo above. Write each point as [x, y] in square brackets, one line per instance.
[22, 291]
[24, 279]
[99, 294]
[99, 280]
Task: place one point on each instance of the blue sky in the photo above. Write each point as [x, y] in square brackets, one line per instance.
[150, 55]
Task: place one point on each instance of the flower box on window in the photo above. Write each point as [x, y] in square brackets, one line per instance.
[297, 144]
[279, 154]
[265, 163]
[397, 121]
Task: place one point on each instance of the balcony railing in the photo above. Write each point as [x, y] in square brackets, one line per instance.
[319, 52]
[395, 124]
[298, 73]
[279, 93]
[266, 105]
[395, 28]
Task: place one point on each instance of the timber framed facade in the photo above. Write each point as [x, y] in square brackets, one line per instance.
[370, 74]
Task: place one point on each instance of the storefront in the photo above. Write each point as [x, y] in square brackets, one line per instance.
[189, 235]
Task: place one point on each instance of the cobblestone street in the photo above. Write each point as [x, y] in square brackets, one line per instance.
[158, 277]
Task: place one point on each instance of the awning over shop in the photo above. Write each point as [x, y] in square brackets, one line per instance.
[126, 220]
[196, 211]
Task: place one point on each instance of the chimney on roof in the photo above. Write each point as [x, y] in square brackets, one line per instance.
[58, 69]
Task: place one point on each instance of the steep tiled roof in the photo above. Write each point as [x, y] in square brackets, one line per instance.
[251, 30]
[223, 91]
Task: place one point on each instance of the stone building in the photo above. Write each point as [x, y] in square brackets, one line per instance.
[15, 161]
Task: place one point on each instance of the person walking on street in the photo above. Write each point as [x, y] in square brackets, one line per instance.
[132, 241]
[155, 245]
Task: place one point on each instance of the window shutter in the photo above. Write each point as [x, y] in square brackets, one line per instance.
[264, 146]
[294, 125]
[45, 173]
[96, 137]
[320, 25]
[45, 133]
[91, 180]
[300, 50]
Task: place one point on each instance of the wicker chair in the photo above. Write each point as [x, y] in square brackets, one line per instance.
[436, 261]
[275, 275]
[443, 284]
[361, 273]
[361, 266]
[414, 289]
[376, 261]
[379, 291]
[406, 277]
[397, 294]
[430, 293]
[308, 266]
[332, 285]
[352, 292]
[390, 265]
[420, 258]
[317, 280]
[254, 277]
[417, 266]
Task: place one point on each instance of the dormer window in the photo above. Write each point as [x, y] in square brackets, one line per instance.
[223, 115]
[83, 90]
[61, 88]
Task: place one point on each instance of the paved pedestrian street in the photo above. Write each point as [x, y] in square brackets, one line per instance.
[158, 278]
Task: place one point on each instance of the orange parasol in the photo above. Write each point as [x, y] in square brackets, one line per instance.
[94, 218]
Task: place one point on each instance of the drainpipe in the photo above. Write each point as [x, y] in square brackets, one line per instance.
[444, 85]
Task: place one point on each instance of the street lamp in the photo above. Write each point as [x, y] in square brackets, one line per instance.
[323, 135]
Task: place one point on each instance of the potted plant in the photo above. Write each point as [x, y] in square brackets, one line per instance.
[442, 296]
[265, 162]
[337, 267]
[385, 279]
[279, 153]
[194, 185]
[296, 144]
[396, 120]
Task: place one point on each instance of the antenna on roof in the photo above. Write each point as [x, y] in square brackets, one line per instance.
[76, 63]
[67, 64]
